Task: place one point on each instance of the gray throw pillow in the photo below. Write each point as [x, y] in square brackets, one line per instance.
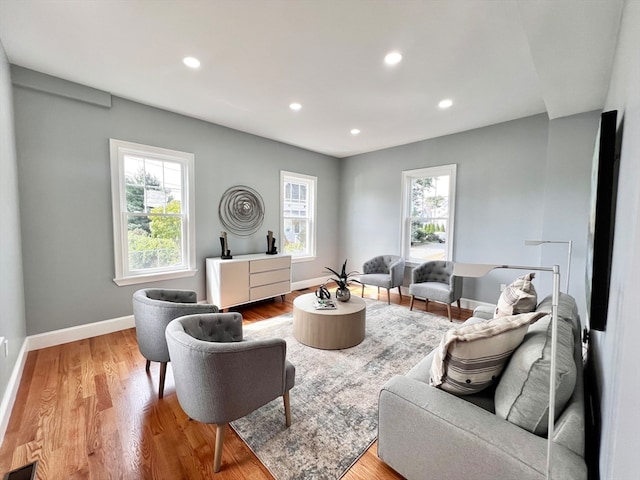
[522, 396]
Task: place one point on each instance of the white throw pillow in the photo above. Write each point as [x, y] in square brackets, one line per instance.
[519, 297]
[471, 357]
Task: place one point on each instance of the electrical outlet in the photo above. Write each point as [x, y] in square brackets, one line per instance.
[503, 286]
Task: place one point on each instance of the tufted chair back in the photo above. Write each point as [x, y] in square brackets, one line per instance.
[220, 376]
[435, 271]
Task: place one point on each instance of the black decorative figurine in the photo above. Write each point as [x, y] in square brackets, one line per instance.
[271, 244]
[226, 253]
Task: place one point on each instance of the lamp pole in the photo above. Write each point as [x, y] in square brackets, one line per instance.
[480, 270]
[567, 242]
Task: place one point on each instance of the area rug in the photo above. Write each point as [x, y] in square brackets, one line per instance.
[334, 403]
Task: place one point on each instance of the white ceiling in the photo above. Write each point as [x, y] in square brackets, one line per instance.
[496, 59]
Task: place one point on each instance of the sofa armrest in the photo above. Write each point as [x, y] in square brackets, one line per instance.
[425, 432]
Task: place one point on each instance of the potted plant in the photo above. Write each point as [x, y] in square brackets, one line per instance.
[343, 279]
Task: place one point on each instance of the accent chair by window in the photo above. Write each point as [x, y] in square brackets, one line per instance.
[386, 271]
[435, 281]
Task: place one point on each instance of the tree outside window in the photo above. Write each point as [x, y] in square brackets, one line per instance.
[428, 213]
[153, 228]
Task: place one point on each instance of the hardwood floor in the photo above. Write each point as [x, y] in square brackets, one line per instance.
[88, 410]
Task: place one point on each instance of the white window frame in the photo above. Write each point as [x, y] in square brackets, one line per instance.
[312, 184]
[123, 276]
[405, 238]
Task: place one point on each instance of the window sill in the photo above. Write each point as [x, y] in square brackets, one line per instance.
[310, 258]
[153, 277]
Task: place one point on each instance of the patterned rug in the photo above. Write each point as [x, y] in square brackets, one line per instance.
[334, 403]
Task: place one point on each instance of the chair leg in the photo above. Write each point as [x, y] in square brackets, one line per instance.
[459, 307]
[449, 311]
[287, 409]
[388, 296]
[163, 374]
[217, 455]
[411, 303]
[400, 292]
[426, 304]
[378, 297]
[362, 294]
[146, 368]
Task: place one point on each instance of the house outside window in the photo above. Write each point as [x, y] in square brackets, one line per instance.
[428, 213]
[153, 220]
[298, 212]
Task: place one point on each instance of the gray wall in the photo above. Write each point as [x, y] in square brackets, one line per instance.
[519, 180]
[65, 195]
[13, 323]
[615, 350]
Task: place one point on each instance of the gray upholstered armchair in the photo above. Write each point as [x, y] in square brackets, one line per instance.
[385, 271]
[219, 377]
[153, 309]
[435, 281]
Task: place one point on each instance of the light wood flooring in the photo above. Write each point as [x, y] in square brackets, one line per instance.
[88, 410]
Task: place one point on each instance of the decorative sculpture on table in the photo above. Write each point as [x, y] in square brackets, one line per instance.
[226, 253]
[271, 244]
[323, 293]
[241, 210]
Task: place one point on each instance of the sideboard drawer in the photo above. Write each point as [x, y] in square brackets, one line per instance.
[271, 290]
[273, 276]
[272, 263]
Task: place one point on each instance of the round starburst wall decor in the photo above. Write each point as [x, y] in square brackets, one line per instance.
[241, 210]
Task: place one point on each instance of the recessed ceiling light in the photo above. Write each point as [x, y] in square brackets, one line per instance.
[295, 106]
[392, 58]
[355, 131]
[191, 62]
[446, 103]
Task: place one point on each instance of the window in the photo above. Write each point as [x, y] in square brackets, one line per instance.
[428, 211]
[153, 221]
[298, 232]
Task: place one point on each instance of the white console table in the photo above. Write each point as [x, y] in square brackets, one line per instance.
[247, 278]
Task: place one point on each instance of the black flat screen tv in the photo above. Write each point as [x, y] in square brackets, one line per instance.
[604, 188]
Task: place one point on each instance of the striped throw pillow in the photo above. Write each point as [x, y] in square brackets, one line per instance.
[471, 357]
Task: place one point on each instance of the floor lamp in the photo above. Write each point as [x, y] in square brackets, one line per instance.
[480, 270]
[567, 242]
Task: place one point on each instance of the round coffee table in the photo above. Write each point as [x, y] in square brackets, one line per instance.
[343, 327]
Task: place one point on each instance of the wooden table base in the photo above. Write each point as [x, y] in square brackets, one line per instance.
[343, 327]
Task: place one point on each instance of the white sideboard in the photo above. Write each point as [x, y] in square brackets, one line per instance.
[247, 278]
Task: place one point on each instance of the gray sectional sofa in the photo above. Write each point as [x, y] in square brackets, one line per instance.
[500, 432]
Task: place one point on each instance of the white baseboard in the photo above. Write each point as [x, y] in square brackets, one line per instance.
[80, 332]
[308, 283]
[472, 304]
[9, 397]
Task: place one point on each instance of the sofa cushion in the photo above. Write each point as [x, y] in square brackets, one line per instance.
[519, 297]
[471, 357]
[522, 396]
